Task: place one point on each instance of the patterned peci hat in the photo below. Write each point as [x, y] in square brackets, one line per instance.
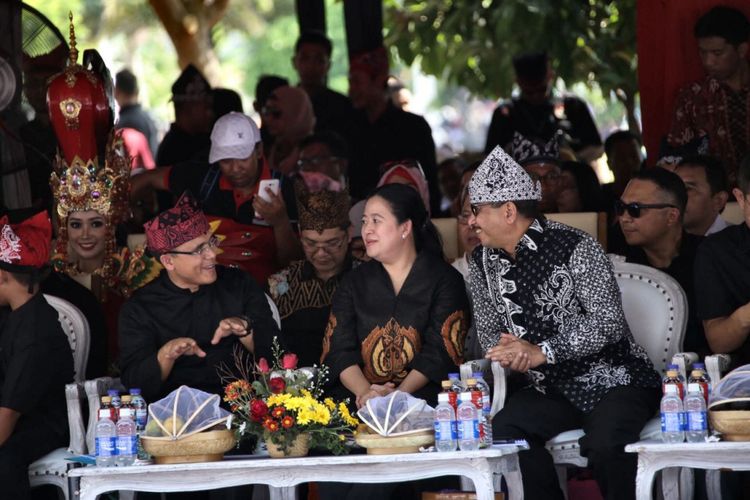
[323, 209]
[499, 179]
[526, 151]
[25, 247]
[175, 226]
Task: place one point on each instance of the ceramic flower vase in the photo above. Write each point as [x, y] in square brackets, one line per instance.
[299, 447]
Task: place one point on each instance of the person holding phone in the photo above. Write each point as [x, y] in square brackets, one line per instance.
[252, 212]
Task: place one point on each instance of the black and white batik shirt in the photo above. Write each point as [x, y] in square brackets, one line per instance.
[560, 293]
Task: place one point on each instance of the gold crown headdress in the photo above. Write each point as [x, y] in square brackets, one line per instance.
[79, 100]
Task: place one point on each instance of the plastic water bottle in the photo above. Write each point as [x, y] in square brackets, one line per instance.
[673, 377]
[139, 408]
[127, 448]
[105, 436]
[672, 427]
[468, 423]
[699, 376]
[114, 394]
[486, 420]
[446, 431]
[695, 408]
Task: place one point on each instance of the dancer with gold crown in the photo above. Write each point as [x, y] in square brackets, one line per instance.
[90, 184]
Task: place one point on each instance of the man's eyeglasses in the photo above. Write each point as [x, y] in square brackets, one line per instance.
[327, 246]
[547, 178]
[315, 161]
[211, 244]
[272, 112]
[475, 209]
[634, 209]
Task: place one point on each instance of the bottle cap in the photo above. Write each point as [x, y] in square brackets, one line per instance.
[135, 391]
[113, 392]
[471, 381]
[106, 399]
[126, 398]
[699, 366]
[452, 376]
[672, 373]
[478, 375]
[696, 373]
[446, 384]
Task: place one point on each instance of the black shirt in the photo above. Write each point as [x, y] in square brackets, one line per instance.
[395, 135]
[569, 114]
[333, 111]
[161, 311]
[422, 328]
[681, 269]
[179, 146]
[722, 275]
[135, 117]
[35, 364]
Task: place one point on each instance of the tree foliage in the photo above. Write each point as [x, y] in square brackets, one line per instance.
[471, 43]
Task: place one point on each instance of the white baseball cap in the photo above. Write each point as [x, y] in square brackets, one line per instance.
[234, 137]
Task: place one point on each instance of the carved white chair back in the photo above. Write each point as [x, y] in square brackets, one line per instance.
[76, 327]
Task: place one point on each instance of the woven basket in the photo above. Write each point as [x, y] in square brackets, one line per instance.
[405, 443]
[207, 446]
[734, 425]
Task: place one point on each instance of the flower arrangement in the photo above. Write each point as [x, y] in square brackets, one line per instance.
[283, 403]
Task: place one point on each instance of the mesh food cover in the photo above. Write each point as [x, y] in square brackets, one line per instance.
[397, 414]
[733, 391]
[185, 411]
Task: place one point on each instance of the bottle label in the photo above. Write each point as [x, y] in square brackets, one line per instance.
[486, 405]
[104, 413]
[106, 446]
[141, 416]
[697, 421]
[671, 422]
[126, 445]
[468, 429]
[445, 430]
[453, 399]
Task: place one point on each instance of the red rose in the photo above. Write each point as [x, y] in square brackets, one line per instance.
[289, 361]
[277, 385]
[262, 366]
[258, 410]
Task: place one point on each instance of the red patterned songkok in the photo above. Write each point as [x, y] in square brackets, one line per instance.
[25, 247]
[178, 225]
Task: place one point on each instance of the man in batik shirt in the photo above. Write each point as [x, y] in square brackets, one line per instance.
[719, 105]
[546, 304]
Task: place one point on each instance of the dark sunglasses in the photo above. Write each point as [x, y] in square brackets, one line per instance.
[475, 209]
[634, 209]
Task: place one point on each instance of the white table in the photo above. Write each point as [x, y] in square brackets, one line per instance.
[654, 456]
[283, 474]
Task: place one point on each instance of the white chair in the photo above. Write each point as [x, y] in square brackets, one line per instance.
[76, 327]
[274, 310]
[655, 308]
[52, 468]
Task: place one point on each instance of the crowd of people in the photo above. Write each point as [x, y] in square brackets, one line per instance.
[324, 212]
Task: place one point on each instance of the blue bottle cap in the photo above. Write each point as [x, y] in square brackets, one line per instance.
[452, 375]
[700, 366]
[478, 375]
[135, 391]
[113, 392]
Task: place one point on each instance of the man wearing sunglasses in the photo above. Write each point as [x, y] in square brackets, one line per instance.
[181, 327]
[547, 306]
[651, 213]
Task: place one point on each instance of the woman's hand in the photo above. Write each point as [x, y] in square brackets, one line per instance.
[375, 391]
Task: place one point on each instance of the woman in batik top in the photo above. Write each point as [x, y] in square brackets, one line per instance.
[399, 320]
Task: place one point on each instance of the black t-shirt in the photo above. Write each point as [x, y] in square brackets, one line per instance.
[35, 364]
[395, 135]
[333, 111]
[542, 121]
[135, 117]
[682, 270]
[179, 146]
[722, 277]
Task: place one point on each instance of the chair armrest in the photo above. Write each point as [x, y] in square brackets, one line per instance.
[73, 396]
[716, 364]
[498, 379]
[684, 362]
[498, 396]
[94, 390]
